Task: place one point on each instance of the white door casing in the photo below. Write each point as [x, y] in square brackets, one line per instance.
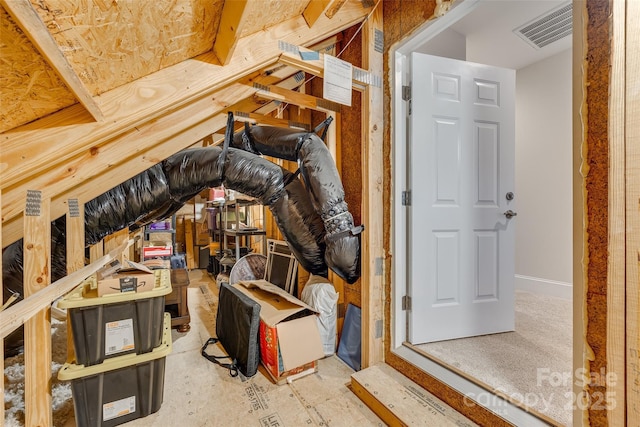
[461, 250]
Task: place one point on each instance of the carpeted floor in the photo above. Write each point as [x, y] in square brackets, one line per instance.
[533, 365]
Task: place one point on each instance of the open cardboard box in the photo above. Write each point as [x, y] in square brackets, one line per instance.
[130, 277]
[290, 342]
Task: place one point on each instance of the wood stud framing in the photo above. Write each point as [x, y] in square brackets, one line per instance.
[372, 216]
[632, 191]
[37, 329]
[616, 265]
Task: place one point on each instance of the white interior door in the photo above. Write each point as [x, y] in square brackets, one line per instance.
[461, 259]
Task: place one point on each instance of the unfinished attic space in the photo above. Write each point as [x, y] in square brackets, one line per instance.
[225, 213]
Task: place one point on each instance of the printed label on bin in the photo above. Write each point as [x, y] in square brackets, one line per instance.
[118, 336]
[118, 408]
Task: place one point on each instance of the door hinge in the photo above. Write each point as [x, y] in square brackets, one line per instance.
[406, 198]
[406, 93]
[406, 303]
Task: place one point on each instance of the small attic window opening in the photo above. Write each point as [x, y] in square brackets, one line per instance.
[548, 28]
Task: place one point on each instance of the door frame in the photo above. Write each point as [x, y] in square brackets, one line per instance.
[399, 72]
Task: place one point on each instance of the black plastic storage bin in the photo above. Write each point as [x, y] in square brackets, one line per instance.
[115, 324]
[122, 388]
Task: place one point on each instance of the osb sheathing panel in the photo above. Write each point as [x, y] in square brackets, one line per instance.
[110, 43]
[266, 13]
[598, 66]
[400, 19]
[29, 87]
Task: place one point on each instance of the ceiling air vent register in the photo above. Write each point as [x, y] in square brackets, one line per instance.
[548, 28]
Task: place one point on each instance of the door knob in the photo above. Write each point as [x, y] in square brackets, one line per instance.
[510, 214]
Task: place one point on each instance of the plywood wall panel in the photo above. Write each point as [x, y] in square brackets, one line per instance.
[29, 87]
[266, 13]
[111, 43]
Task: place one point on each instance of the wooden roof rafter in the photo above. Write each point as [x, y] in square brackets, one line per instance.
[315, 8]
[303, 100]
[30, 23]
[153, 96]
[291, 56]
[233, 18]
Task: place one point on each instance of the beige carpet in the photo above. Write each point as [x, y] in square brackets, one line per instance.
[532, 365]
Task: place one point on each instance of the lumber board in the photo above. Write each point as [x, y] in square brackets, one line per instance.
[632, 157]
[75, 256]
[372, 201]
[262, 119]
[94, 161]
[116, 239]
[37, 329]
[29, 149]
[18, 313]
[313, 11]
[92, 188]
[29, 21]
[188, 243]
[2, 338]
[400, 402]
[334, 7]
[617, 256]
[291, 56]
[233, 17]
[29, 87]
[96, 251]
[300, 99]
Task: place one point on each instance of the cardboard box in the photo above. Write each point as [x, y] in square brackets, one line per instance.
[131, 277]
[290, 342]
[156, 249]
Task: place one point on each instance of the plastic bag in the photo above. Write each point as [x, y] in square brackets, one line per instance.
[322, 297]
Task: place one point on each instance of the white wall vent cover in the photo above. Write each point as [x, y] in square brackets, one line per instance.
[548, 28]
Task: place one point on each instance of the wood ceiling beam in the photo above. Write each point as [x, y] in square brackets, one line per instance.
[315, 8]
[131, 153]
[30, 23]
[29, 149]
[93, 172]
[361, 78]
[261, 119]
[234, 13]
[334, 7]
[300, 99]
[313, 11]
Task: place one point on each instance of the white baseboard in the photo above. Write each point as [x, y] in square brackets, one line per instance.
[545, 287]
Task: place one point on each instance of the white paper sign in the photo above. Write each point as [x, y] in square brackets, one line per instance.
[337, 80]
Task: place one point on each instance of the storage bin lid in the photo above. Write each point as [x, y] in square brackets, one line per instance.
[86, 294]
[71, 371]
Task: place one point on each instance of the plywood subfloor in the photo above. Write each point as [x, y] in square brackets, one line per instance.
[401, 402]
[200, 393]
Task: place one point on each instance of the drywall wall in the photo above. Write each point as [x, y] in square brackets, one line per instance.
[449, 44]
[543, 176]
